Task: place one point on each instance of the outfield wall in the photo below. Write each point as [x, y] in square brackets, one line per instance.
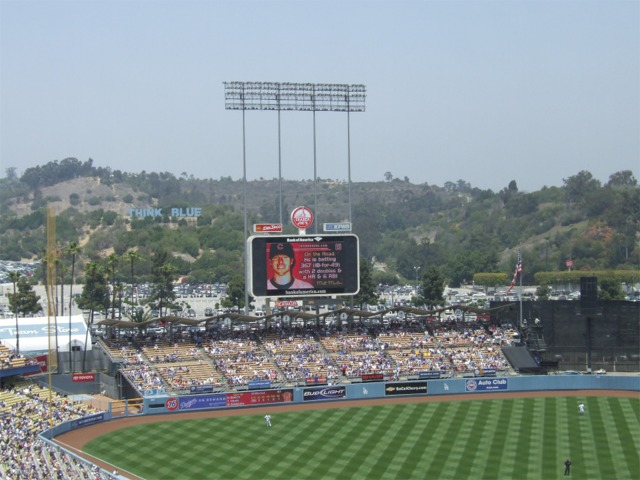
[165, 404]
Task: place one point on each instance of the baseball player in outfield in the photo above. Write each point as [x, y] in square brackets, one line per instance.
[581, 408]
[267, 419]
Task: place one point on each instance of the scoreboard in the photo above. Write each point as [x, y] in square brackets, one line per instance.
[303, 265]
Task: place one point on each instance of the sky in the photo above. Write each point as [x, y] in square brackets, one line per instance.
[483, 91]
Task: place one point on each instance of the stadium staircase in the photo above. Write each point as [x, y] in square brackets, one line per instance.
[534, 339]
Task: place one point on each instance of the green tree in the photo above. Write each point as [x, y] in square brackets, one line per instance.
[163, 274]
[433, 283]
[112, 263]
[15, 277]
[543, 291]
[610, 289]
[624, 216]
[367, 294]
[490, 279]
[235, 293]
[140, 316]
[623, 178]
[95, 294]
[23, 302]
[133, 256]
[385, 277]
[578, 188]
[94, 297]
[74, 250]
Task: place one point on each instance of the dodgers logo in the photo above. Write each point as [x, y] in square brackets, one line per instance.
[471, 385]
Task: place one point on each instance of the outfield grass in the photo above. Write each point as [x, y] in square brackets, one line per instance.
[486, 439]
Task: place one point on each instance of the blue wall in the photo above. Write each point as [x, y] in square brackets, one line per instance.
[360, 391]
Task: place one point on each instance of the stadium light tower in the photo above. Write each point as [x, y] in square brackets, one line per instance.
[305, 97]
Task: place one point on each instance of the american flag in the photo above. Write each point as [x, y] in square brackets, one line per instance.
[518, 270]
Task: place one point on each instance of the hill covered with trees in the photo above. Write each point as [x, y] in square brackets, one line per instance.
[403, 228]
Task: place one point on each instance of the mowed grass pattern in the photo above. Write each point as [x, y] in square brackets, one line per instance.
[525, 438]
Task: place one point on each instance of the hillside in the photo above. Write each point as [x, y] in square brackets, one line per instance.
[403, 226]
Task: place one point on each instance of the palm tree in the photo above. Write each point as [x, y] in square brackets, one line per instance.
[132, 256]
[73, 249]
[112, 262]
[59, 274]
[14, 277]
[162, 294]
[140, 317]
[94, 295]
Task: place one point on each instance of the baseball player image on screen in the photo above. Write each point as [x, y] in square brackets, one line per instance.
[282, 260]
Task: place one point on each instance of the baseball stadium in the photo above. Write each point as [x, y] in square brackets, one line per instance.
[479, 394]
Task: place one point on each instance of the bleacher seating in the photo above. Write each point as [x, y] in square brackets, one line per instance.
[228, 360]
[233, 359]
[26, 410]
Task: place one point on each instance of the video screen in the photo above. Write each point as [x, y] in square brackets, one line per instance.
[304, 265]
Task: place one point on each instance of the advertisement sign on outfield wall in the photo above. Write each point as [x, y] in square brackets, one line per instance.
[217, 400]
[488, 385]
[258, 384]
[247, 399]
[317, 380]
[201, 401]
[201, 388]
[406, 388]
[86, 421]
[485, 372]
[324, 393]
[83, 377]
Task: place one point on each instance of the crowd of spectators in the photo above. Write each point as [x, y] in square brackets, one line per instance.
[26, 411]
[300, 356]
[11, 359]
[241, 359]
[232, 359]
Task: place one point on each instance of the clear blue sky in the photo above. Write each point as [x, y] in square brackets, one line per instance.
[484, 91]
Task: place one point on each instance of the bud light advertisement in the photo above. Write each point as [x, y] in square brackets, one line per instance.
[324, 393]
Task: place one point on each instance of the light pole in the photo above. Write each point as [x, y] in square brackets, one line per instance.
[279, 96]
[417, 269]
[305, 97]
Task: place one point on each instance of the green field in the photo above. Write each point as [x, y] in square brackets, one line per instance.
[484, 439]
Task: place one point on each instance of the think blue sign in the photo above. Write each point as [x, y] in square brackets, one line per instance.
[159, 212]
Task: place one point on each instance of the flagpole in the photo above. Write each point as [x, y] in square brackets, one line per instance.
[521, 292]
[513, 281]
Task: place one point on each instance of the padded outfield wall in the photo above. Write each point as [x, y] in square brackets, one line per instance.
[164, 404]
